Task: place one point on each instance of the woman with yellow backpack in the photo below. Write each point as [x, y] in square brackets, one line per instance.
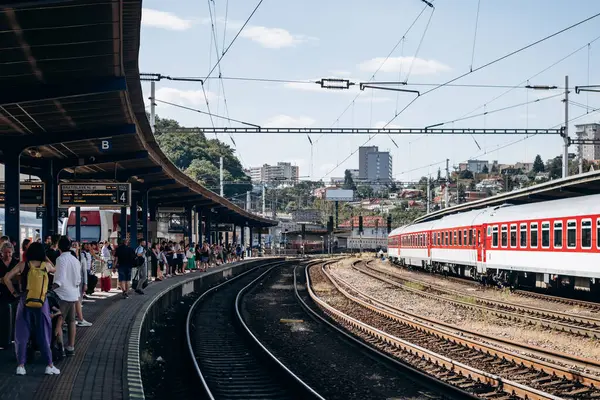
[33, 311]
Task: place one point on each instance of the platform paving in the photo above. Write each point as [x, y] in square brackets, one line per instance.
[97, 370]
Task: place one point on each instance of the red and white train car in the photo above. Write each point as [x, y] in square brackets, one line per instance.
[544, 243]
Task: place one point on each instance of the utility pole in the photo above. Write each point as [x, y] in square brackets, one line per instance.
[248, 202]
[428, 194]
[446, 189]
[263, 198]
[580, 151]
[221, 175]
[152, 105]
[565, 163]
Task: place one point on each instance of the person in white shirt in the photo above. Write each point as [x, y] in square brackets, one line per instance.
[66, 286]
[86, 268]
[142, 266]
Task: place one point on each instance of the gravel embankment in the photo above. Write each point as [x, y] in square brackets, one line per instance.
[470, 319]
[489, 293]
[332, 366]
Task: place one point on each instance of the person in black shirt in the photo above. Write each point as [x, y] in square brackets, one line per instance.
[7, 262]
[52, 251]
[124, 258]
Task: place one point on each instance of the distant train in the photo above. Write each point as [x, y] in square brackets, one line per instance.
[552, 244]
[31, 227]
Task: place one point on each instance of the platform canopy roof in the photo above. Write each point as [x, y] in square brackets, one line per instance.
[69, 76]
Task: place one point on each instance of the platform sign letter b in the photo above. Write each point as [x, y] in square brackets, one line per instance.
[105, 145]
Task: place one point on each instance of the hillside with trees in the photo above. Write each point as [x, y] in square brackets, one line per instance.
[198, 157]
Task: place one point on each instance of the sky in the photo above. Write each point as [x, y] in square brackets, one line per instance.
[308, 40]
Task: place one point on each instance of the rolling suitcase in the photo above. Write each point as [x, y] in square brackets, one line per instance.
[105, 284]
[7, 324]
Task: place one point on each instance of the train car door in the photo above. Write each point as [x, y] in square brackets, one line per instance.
[481, 240]
[429, 237]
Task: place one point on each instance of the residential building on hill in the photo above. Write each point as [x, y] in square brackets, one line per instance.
[272, 173]
[590, 132]
[374, 165]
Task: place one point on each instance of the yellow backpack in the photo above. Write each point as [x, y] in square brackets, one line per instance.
[37, 286]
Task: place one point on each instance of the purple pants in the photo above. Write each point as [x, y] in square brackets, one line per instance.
[33, 319]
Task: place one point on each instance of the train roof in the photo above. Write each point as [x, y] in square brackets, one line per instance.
[468, 218]
[572, 207]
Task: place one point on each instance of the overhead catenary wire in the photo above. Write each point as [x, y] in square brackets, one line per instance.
[234, 39]
[205, 113]
[490, 63]
[412, 63]
[475, 35]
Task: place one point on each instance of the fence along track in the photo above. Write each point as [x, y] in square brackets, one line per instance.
[562, 322]
[435, 359]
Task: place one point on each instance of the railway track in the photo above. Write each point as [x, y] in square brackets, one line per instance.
[562, 367]
[230, 361]
[578, 325]
[512, 373]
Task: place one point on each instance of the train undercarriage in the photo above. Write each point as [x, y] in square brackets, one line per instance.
[582, 288]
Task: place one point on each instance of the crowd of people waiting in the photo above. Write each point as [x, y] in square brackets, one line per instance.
[43, 286]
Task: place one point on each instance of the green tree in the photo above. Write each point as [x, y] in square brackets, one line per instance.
[364, 192]
[439, 175]
[494, 169]
[485, 169]
[555, 168]
[461, 193]
[466, 174]
[472, 185]
[348, 181]
[538, 164]
[200, 158]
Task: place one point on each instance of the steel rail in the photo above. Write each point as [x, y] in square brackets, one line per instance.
[412, 320]
[512, 315]
[505, 385]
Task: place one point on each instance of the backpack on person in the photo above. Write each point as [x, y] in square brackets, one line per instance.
[37, 286]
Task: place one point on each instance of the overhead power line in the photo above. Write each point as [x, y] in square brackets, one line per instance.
[466, 74]
[206, 113]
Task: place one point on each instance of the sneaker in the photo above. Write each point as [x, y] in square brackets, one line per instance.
[70, 351]
[85, 296]
[84, 323]
[21, 371]
[125, 295]
[52, 370]
[139, 291]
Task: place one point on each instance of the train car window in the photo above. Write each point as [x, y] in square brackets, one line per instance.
[558, 238]
[470, 237]
[523, 236]
[478, 236]
[598, 233]
[513, 235]
[571, 234]
[533, 236]
[495, 236]
[465, 237]
[586, 234]
[446, 238]
[459, 238]
[545, 235]
[455, 238]
[504, 236]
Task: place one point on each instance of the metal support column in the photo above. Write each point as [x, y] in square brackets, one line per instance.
[153, 225]
[207, 231]
[134, 220]
[12, 170]
[259, 241]
[123, 224]
[234, 235]
[565, 163]
[190, 223]
[250, 245]
[243, 235]
[145, 217]
[78, 224]
[226, 238]
[337, 213]
[50, 221]
[200, 230]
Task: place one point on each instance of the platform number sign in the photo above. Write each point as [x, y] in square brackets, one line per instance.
[105, 145]
[63, 213]
[40, 212]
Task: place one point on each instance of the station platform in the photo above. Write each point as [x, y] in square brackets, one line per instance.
[105, 353]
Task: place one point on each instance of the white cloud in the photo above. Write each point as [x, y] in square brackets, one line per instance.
[164, 20]
[396, 64]
[271, 38]
[287, 121]
[184, 97]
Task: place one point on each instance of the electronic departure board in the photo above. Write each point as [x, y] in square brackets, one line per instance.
[94, 194]
[32, 193]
